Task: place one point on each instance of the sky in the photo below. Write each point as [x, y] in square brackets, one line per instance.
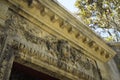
[68, 4]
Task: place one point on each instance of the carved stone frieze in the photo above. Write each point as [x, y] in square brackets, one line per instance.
[60, 54]
[23, 37]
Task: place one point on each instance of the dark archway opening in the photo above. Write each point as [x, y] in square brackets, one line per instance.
[20, 72]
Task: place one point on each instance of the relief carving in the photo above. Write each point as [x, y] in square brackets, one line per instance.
[64, 50]
[51, 44]
[6, 49]
[52, 50]
[66, 55]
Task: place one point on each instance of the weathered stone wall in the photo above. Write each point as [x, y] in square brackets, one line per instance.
[117, 61]
[117, 56]
[50, 49]
[116, 47]
[24, 38]
[29, 39]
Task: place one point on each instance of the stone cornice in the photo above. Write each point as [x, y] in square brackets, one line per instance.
[58, 21]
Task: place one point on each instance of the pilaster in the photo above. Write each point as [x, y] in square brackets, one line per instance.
[6, 58]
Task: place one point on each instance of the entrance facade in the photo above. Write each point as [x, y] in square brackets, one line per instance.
[39, 39]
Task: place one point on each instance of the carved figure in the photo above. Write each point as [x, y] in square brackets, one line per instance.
[52, 46]
[64, 50]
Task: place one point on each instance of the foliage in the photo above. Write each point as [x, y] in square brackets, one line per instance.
[104, 14]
